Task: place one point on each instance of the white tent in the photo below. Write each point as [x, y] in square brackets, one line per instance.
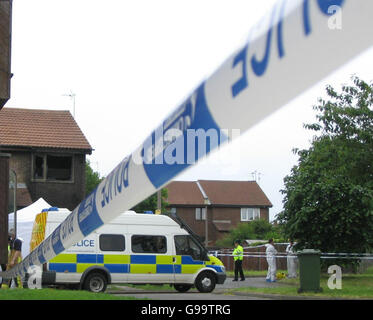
[25, 222]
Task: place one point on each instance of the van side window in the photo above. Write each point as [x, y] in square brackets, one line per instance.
[186, 246]
[112, 242]
[149, 244]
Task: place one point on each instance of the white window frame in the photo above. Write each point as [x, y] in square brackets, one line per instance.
[200, 214]
[250, 214]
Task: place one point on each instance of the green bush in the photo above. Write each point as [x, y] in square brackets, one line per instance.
[257, 229]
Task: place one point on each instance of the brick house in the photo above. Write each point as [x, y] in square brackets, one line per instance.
[48, 152]
[228, 203]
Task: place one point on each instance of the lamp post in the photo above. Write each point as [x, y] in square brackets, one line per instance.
[4, 201]
[159, 200]
[206, 203]
[15, 201]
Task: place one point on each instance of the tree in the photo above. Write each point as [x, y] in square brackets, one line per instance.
[328, 196]
[257, 229]
[150, 204]
[92, 178]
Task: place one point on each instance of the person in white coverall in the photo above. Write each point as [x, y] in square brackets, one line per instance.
[271, 260]
[291, 260]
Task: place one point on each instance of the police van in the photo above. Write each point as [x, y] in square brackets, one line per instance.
[133, 248]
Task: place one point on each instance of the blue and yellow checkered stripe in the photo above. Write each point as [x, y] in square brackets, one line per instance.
[140, 264]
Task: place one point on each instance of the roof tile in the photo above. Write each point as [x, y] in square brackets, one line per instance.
[236, 193]
[184, 193]
[41, 128]
[241, 193]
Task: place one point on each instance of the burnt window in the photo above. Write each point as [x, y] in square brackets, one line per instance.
[38, 167]
[59, 167]
[50, 167]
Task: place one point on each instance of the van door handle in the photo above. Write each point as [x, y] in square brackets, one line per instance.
[173, 259]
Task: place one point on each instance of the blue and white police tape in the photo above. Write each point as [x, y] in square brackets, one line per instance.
[356, 256]
[263, 255]
[293, 47]
[346, 254]
[294, 255]
[351, 257]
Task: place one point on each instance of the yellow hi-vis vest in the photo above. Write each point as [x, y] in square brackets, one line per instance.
[238, 253]
[11, 253]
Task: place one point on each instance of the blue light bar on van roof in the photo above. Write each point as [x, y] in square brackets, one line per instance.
[148, 212]
[50, 209]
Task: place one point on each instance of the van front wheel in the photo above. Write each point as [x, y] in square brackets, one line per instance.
[95, 282]
[205, 282]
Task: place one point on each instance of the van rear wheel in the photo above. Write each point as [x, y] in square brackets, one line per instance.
[95, 282]
[205, 282]
[182, 287]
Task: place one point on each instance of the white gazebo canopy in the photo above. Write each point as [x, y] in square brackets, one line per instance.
[25, 222]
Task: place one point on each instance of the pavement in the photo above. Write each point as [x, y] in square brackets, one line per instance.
[221, 292]
[256, 282]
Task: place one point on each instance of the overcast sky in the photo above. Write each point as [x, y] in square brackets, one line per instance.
[130, 63]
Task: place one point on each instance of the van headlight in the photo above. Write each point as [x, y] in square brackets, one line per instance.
[223, 269]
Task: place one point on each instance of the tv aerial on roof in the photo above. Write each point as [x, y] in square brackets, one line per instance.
[72, 97]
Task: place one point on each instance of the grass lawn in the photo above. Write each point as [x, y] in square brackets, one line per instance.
[354, 286]
[54, 294]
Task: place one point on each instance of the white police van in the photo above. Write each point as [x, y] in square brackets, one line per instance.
[134, 248]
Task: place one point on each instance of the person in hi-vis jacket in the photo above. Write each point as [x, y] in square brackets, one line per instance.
[271, 260]
[238, 259]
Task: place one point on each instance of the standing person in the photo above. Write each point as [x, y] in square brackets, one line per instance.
[238, 258]
[15, 255]
[291, 260]
[271, 260]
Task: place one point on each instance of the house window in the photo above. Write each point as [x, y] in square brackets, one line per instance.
[49, 167]
[200, 213]
[249, 214]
